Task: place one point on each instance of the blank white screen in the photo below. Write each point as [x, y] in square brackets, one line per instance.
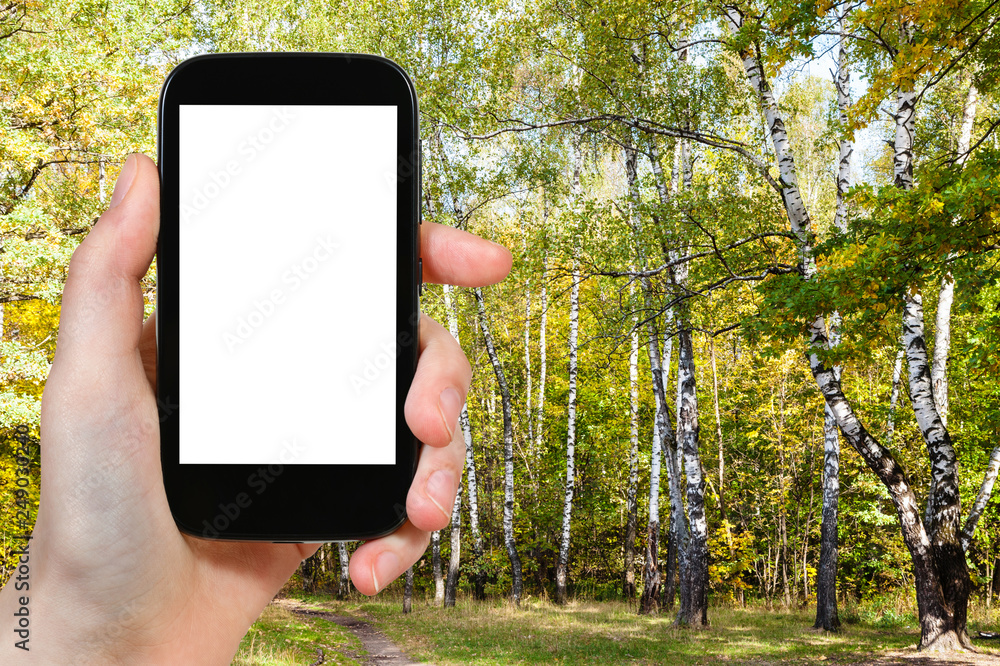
[287, 284]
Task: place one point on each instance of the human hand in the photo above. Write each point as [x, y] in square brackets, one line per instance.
[112, 579]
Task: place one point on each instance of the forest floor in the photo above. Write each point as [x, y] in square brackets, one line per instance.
[367, 631]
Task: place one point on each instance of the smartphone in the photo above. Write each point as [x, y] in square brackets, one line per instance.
[288, 278]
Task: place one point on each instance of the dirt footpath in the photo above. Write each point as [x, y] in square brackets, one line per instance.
[381, 650]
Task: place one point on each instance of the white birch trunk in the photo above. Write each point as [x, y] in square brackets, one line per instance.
[676, 568]
[562, 563]
[528, 413]
[542, 367]
[827, 617]
[344, 588]
[408, 592]
[436, 568]
[632, 499]
[677, 550]
[942, 346]
[694, 609]
[946, 295]
[694, 576]
[985, 492]
[944, 500]
[470, 465]
[455, 557]
[574, 324]
[479, 580]
[795, 208]
[842, 80]
[650, 600]
[718, 437]
[508, 455]
[897, 374]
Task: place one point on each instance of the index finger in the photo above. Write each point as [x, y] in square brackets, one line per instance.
[453, 256]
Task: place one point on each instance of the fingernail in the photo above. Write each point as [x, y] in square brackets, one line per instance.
[385, 568]
[125, 178]
[440, 488]
[450, 404]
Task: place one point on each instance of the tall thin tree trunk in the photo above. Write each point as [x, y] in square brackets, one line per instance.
[945, 524]
[436, 568]
[562, 564]
[785, 589]
[827, 617]
[946, 294]
[982, 497]
[897, 374]
[478, 576]
[544, 306]
[408, 592]
[574, 324]
[455, 556]
[722, 457]
[528, 413]
[942, 345]
[675, 568]
[649, 602]
[949, 558]
[508, 448]
[454, 559]
[344, 589]
[694, 610]
[632, 499]
[677, 540]
[694, 576]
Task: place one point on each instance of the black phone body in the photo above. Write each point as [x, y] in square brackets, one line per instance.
[288, 283]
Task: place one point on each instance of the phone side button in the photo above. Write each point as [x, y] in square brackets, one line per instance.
[420, 276]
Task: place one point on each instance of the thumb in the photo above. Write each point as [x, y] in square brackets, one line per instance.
[102, 301]
[99, 420]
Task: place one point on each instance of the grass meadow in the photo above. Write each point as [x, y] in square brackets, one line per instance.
[584, 632]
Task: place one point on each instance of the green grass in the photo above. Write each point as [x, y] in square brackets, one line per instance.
[608, 633]
[280, 637]
[611, 633]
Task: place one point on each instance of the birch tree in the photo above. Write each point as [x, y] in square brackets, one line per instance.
[344, 587]
[473, 488]
[436, 567]
[574, 327]
[827, 617]
[632, 492]
[508, 453]
[940, 571]
[694, 582]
